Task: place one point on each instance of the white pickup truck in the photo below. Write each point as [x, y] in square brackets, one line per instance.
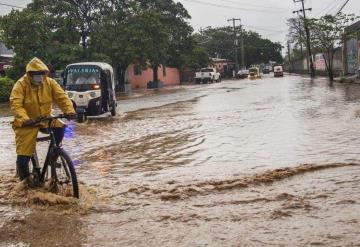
[207, 75]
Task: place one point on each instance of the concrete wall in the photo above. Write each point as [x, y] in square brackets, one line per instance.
[351, 54]
[320, 65]
[358, 54]
[172, 76]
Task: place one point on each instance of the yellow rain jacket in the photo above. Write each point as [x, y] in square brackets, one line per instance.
[28, 101]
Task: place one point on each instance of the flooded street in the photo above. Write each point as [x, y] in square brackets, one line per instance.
[238, 163]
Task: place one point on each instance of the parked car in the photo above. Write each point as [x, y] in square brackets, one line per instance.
[242, 74]
[207, 75]
[266, 69]
[278, 71]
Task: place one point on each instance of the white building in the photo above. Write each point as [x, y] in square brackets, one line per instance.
[5, 52]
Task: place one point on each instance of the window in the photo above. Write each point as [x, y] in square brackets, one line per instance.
[83, 75]
[137, 70]
[207, 70]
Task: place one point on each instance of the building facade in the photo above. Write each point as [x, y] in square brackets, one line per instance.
[5, 51]
[138, 78]
[351, 52]
[224, 66]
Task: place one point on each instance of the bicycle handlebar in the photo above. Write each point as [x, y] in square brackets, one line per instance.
[38, 121]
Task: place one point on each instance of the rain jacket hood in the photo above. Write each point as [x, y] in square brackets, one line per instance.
[36, 65]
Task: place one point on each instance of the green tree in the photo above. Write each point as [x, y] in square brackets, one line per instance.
[73, 19]
[260, 50]
[296, 34]
[193, 56]
[120, 32]
[118, 37]
[155, 39]
[168, 34]
[219, 42]
[6, 85]
[329, 32]
[151, 33]
[27, 34]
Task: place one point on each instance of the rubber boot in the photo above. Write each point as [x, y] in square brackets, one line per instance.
[22, 166]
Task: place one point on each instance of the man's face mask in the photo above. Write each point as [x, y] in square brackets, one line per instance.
[37, 79]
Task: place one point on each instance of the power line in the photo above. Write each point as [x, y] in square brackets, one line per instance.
[255, 5]
[307, 32]
[265, 29]
[328, 8]
[333, 8]
[343, 6]
[232, 7]
[262, 28]
[13, 6]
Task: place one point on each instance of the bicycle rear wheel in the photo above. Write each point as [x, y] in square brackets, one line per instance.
[63, 172]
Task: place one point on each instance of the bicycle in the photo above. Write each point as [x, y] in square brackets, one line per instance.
[57, 160]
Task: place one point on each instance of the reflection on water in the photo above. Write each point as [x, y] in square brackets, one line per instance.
[174, 164]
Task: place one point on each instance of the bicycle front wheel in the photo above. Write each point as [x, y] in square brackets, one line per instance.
[63, 172]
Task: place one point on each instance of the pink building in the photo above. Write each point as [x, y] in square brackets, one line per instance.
[139, 78]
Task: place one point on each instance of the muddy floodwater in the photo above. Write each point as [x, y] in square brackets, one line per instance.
[274, 161]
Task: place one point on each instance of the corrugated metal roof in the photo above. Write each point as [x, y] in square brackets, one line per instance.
[5, 51]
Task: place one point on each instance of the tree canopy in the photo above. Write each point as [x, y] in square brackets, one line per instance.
[219, 42]
[327, 33]
[116, 31]
[148, 32]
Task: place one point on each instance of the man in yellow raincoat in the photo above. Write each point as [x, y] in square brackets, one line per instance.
[32, 98]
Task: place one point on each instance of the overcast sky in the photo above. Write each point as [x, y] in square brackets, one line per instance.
[267, 17]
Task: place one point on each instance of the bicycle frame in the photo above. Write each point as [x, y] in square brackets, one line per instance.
[53, 151]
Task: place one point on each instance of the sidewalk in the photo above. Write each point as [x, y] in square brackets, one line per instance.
[139, 93]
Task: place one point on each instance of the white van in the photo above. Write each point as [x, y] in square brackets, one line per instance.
[278, 71]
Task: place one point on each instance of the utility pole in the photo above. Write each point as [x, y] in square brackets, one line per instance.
[307, 32]
[342, 7]
[243, 65]
[289, 56]
[235, 44]
[300, 37]
[301, 44]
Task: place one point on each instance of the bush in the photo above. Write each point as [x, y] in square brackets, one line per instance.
[6, 85]
[13, 73]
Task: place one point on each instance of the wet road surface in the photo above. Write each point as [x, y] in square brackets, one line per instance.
[239, 163]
